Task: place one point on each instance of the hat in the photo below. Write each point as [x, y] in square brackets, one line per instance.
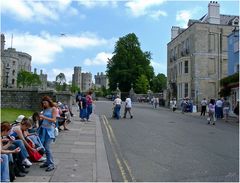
[59, 103]
[20, 118]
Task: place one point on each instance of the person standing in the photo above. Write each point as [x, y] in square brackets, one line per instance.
[48, 117]
[226, 108]
[89, 104]
[203, 106]
[128, 107]
[211, 113]
[117, 106]
[219, 104]
[184, 105]
[174, 105]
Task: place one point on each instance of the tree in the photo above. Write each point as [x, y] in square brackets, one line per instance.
[61, 82]
[159, 83]
[142, 84]
[60, 78]
[27, 79]
[128, 63]
[74, 88]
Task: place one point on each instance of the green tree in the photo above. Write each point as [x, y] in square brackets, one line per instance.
[142, 84]
[74, 88]
[159, 83]
[128, 63]
[60, 82]
[60, 78]
[27, 79]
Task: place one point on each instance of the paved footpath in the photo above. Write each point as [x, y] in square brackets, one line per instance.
[79, 155]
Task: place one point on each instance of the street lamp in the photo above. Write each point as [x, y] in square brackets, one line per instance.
[7, 69]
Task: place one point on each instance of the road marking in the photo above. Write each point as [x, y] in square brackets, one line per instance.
[118, 147]
[120, 166]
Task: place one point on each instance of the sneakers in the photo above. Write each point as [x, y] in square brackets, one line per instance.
[42, 159]
[26, 162]
[50, 168]
[131, 117]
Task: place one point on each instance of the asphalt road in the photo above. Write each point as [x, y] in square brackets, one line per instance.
[159, 145]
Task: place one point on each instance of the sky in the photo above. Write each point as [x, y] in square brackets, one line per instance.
[62, 34]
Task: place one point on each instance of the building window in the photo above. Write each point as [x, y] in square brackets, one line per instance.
[186, 67]
[13, 72]
[13, 81]
[186, 90]
[14, 62]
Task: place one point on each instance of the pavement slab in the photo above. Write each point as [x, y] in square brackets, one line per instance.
[74, 154]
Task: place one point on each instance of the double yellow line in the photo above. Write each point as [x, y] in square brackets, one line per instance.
[121, 162]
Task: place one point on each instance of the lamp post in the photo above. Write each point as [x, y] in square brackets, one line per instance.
[7, 72]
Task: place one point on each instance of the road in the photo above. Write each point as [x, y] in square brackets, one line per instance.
[159, 145]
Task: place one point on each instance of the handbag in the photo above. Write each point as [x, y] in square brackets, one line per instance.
[33, 155]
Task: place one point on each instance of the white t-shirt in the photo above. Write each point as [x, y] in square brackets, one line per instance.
[219, 103]
[117, 101]
[128, 103]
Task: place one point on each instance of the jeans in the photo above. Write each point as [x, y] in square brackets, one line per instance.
[4, 168]
[36, 140]
[46, 144]
[23, 153]
[83, 113]
[89, 110]
[117, 111]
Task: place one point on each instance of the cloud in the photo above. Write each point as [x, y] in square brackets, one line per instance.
[52, 73]
[44, 47]
[141, 7]
[159, 67]
[97, 3]
[157, 14]
[183, 16]
[100, 59]
[40, 11]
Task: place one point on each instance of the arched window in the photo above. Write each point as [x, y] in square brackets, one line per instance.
[13, 81]
[13, 72]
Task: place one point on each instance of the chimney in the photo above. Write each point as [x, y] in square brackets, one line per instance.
[214, 12]
[35, 71]
[174, 32]
[41, 72]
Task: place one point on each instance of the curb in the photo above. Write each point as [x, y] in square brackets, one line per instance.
[102, 167]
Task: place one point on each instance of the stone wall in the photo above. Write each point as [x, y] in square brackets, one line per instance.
[30, 98]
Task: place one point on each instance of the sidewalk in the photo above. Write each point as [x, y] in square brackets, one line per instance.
[79, 155]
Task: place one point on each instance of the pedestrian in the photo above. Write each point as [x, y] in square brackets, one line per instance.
[47, 136]
[174, 104]
[219, 104]
[83, 108]
[226, 107]
[117, 106]
[184, 105]
[89, 104]
[203, 106]
[211, 113]
[128, 107]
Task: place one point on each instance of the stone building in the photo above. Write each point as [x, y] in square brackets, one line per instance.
[12, 62]
[77, 77]
[101, 80]
[86, 81]
[197, 57]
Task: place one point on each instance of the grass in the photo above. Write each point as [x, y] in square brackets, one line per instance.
[10, 114]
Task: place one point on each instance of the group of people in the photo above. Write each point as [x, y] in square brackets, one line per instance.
[217, 109]
[85, 104]
[27, 140]
[117, 103]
